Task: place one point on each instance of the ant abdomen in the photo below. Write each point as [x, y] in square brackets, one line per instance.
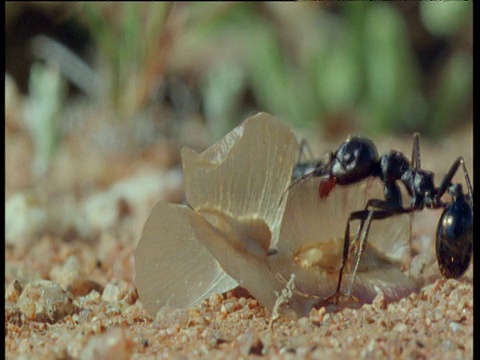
[454, 243]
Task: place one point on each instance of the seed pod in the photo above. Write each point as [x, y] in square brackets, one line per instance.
[241, 230]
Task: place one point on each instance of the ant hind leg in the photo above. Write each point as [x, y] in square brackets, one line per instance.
[447, 180]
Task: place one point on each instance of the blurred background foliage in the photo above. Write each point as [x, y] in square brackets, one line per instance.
[348, 67]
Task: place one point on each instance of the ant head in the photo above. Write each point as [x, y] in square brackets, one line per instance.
[355, 160]
[393, 166]
[355, 150]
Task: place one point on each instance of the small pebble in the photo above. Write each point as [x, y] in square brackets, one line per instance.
[44, 300]
[13, 291]
[250, 343]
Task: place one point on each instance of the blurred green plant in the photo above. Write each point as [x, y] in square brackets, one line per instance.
[357, 65]
[43, 114]
[131, 50]
[352, 65]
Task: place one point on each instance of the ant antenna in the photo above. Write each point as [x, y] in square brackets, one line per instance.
[295, 182]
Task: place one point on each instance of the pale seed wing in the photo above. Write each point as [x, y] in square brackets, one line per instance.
[245, 173]
[386, 278]
[232, 243]
[171, 266]
[313, 232]
[308, 219]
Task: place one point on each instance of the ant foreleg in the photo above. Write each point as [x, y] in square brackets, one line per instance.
[363, 242]
[365, 216]
[365, 225]
[304, 147]
[346, 247]
[381, 210]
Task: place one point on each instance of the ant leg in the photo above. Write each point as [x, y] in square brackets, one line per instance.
[363, 243]
[393, 208]
[396, 209]
[385, 210]
[415, 159]
[365, 225]
[355, 238]
[346, 247]
[469, 184]
[304, 145]
[362, 215]
[447, 180]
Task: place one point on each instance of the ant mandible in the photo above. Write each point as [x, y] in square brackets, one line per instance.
[357, 159]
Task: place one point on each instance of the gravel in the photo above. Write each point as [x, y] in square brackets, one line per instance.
[72, 295]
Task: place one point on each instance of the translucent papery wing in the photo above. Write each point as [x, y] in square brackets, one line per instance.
[231, 244]
[171, 266]
[245, 173]
[309, 220]
[313, 231]
[174, 267]
[383, 277]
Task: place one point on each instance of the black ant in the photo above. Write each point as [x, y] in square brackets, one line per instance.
[357, 159]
